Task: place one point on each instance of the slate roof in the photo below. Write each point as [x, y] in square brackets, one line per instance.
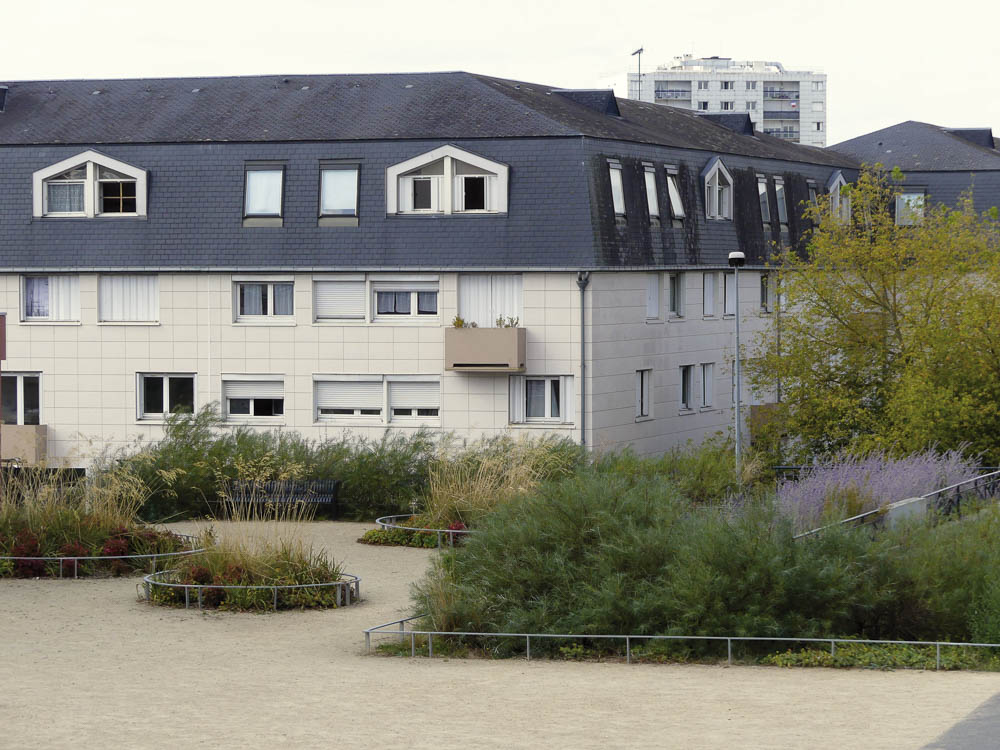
[921, 147]
[356, 107]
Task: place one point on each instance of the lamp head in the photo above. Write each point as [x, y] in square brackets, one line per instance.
[737, 259]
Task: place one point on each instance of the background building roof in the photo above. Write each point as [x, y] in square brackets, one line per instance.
[921, 147]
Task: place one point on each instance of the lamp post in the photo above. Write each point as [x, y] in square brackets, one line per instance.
[736, 262]
[639, 53]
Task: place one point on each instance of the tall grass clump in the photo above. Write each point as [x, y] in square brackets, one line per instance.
[52, 513]
[188, 470]
[598, 553]
[466, 485]
[262, 544]
[846, 485]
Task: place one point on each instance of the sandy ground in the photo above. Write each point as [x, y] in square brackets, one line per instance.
[84, 664]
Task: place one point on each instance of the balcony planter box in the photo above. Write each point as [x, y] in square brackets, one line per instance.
[484, 349]
[26, 442]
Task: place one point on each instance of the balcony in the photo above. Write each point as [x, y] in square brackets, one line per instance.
[771, 114]
[781, 94]
[673, 93]
[25, 442]
[788, 135]
[484, 349]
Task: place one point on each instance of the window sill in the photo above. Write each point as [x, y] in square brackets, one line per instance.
[443, 215]
[542, 425]
[287, 323]
[339, 321]
[252, 421]
[648, 418]
[409, 320]
[351, 421]
[684, 412]
[338, 221]
[654, 321]
[148, 323]
[263, 221]
[51, 323]
[710, 407]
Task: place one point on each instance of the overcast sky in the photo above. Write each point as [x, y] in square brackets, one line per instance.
[886, 62]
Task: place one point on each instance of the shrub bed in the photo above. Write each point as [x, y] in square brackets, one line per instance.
[597, 553]
[45, 514]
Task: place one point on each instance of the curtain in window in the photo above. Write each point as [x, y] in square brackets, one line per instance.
[263, 193]
[129, 298]
[65, 197]
[64, 297]
[252, 299]
[283, 295]
[36, 297]
[483, 297]
[339, 192]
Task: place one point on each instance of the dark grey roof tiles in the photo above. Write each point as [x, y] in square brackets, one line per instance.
[356, 107]
[922, 147]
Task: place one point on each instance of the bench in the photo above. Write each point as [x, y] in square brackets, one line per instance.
[320, 491]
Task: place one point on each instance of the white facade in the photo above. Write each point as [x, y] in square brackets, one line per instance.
[92, 371]
[788, 104]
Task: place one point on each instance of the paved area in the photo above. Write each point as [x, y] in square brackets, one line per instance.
[84, 664]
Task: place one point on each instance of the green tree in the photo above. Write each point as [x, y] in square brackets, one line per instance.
[887, 336]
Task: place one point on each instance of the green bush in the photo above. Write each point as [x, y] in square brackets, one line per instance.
[400, 538]
[197, 457]
[605, 553]
[886, 656]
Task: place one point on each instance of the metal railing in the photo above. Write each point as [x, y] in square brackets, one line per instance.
[389, 522]
[76, 560]
[673, 94]
[788, 135]
[780, 94]
[397, 629]
[945, 501]
[347, 588]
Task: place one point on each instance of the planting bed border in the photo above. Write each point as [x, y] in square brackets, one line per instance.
[92, 558]
[389, 522]
[348, 591]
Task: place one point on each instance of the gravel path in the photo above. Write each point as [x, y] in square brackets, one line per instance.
[84, 664]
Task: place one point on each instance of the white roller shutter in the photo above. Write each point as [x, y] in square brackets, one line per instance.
[414, 395]
[339, 299]
[253, 388]
[339, 394]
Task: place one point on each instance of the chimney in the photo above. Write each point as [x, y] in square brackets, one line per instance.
[3, 97]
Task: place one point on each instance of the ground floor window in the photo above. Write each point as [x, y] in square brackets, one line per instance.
[413, 399]
[247, 399]
[643, 391]
[541, 398]
[685, 392]
[19, 395]
[161, 394]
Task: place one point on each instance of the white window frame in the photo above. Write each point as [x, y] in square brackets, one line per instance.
[652, 194]
[727, 85]
[709, 282]
[840, 204]
[21, 375]
[415, 419]
[251, 417]
[398, 178]
[518, 398]
[703, 106]
[727, 106]
[781, 198]
[75, 300]
[718, 190]
[674, 193]
[414, 287]
[270, 318]
[910, 207]
[686, 385]
[702, 85]
[489, 183]
[140, 392]
[675, 295]
[765, 201]
[124, 321]
[617, 188]
[751, 85]
[357, 416]
[643, 393]
[765, 293]
[654, 296]
[707, 384]
[91, 193]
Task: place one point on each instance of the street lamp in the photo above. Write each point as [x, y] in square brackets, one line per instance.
[736, 262]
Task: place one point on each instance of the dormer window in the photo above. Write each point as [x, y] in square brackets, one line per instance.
[718, 190]
[840, 197]
[447, 180]
[88, 185]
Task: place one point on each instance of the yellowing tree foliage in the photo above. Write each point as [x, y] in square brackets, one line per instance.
[887, 337]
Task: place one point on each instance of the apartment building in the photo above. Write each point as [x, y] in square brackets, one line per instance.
[788, 104]
[298, 251]
[939, 164]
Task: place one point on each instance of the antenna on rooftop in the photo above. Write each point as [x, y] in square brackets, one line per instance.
[639, 53]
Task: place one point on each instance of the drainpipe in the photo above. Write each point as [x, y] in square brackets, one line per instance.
[582, 281]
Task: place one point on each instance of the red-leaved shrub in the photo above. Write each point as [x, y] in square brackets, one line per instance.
[26, 545]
